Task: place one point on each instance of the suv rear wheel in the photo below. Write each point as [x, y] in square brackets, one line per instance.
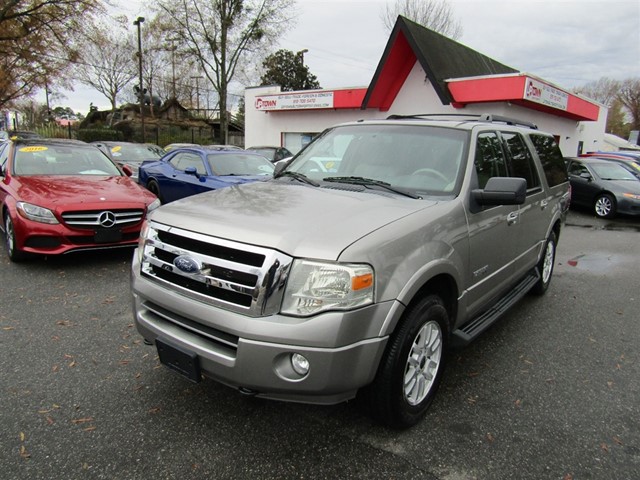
[411, 369]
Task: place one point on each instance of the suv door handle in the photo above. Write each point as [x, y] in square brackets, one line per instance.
[512, 218]
[544, 204]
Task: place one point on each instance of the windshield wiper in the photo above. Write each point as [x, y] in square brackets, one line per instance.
[298, 176]
[366, 182]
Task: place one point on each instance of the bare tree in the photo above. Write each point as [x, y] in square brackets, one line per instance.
[220, 33]
[434, 14]
[106, 62]
[621, 97]
[603, 90]
[157, 61]
[629, 96]
[35, 39]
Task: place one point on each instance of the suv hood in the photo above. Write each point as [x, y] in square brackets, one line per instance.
[297, 219]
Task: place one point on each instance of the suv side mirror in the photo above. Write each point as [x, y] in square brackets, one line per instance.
[280, 166]
[586, 176]
[502, 191]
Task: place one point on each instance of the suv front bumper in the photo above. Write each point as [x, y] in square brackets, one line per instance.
[254, 354]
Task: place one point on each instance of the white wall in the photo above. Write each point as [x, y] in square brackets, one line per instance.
[266, 128]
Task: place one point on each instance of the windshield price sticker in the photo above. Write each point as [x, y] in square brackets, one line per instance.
[33, 149]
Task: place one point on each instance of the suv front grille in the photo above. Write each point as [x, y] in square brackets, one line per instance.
[230, 275]
[92, 218]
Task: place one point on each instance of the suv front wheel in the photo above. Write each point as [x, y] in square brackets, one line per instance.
[412, 367]
[545, 266]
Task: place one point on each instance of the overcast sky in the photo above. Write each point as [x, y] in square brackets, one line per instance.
[566, 42]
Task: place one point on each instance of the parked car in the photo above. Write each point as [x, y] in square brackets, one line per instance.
[130, 153]
[187, 171]
[629, 161]
[223, 147]
[274, 154]
[60, 196]
[173, 146]
[23, 134]
[604, 186]
[624, 153]
[321, 285]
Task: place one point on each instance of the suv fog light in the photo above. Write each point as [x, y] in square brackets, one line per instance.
[300, 364]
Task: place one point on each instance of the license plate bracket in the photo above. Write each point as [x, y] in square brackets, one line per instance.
[180, 360]
[107, 235]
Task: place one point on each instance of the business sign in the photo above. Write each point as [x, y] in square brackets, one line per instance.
[536, 91]
[295, 101]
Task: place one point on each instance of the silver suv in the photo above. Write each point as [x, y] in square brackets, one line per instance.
[381, 245]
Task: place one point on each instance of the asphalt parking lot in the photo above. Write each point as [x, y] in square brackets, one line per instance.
[551, 392]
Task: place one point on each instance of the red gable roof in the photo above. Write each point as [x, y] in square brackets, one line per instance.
[461, 76]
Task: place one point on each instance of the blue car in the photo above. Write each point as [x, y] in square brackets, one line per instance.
[191, 170]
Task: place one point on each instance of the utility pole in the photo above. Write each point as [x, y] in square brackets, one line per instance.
[197, 93]
[46, 93]
[137, 23]
[301, 53]
[173, 63]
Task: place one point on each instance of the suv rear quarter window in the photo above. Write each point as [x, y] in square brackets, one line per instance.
[551, 158]
[521, 161]
[489, 160]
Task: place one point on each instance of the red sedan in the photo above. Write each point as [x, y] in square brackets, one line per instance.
[59, 196]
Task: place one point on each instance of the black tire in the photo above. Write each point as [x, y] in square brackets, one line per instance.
[545, 265]
[605, 206]
[154, 188]
[423, 334]
[13, 253]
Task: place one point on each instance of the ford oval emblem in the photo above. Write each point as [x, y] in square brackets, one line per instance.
[186, 264]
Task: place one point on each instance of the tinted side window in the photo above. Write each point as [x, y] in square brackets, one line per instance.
[551, 159]
[182, 161]
[521, 161]
[577, 168]
[489, 159]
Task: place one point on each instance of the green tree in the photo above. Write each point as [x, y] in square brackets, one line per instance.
[35, 39]
[220, 34]
[287, 69]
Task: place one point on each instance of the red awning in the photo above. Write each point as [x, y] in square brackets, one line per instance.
[523, 90]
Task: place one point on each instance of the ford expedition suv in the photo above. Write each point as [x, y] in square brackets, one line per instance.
[381, 245]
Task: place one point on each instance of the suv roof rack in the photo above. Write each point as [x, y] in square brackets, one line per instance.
[484, 117]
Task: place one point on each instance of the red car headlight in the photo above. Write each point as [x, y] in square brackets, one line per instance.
[36, 213]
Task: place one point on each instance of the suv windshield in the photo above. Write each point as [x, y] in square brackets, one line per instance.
[422, 159]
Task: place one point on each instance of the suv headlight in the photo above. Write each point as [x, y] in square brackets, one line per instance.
[142, 240]
[36, 213]
[315, 287]
[152, 206]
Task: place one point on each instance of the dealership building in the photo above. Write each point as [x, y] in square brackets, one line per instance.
[424, 72]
